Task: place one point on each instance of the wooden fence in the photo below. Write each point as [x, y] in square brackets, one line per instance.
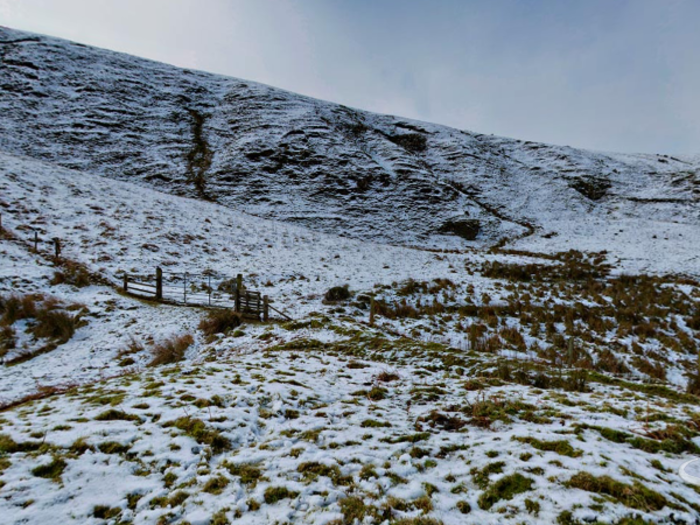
[190, 289]
[205, 289]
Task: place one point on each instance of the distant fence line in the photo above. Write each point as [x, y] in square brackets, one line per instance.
[207, 288]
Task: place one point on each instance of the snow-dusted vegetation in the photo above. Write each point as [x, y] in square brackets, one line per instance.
[533, 362]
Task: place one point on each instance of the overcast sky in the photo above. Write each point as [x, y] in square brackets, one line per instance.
[599, 74]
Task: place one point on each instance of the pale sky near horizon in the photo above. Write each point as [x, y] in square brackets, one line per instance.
[614, 75]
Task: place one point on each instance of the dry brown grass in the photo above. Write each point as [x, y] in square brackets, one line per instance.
[73, 273]
[171, 350]
[386, 376]
[47, 318]
[220, 322]
[17, 307]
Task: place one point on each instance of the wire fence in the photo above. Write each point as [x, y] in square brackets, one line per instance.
[205, 289]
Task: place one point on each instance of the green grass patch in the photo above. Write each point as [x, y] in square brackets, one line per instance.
[411, 438]
[561, 447]
[373, 423]
[635, 496]
[51, 470]
[312, 470]
[197, 430]
[481, 476]
[112, 447]
[505, 488]
[116, 415]
[216, 484]
[249, 474]
[274, 494]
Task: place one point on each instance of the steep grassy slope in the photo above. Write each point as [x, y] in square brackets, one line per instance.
[280, 155]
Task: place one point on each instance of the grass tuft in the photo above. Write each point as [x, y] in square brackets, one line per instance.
[505, 489]
[635, 496]
[274, 494]
[220, 322]
[51, 470]
[171, 350]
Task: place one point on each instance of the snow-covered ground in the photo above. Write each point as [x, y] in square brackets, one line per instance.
[515, 385]
[304, 421]
[355, 422]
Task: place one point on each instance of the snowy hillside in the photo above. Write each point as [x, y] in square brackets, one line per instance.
[464, 403]
[278, 155]
[423, 379]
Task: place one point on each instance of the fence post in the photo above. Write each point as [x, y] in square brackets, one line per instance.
[239, 286]
[184, 288]
[209, 288]
[371, 311]
[36, 241]
[126, 282]
[266, 309]
[57, 247]
[159, 284]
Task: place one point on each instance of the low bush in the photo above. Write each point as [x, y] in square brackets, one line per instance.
[56, 325]
[7, 340]
[412, 142]
[17, 307]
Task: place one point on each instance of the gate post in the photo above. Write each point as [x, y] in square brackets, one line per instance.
[184, 288]
[159, 284]
[239, 286]
[266, 309]
[126, 282]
